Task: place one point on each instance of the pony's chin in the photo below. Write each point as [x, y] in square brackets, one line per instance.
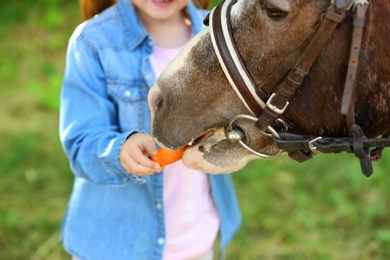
[195, 160]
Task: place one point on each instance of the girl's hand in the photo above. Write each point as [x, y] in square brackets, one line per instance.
[135, 153]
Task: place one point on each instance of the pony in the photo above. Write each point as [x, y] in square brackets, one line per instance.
[270, 77]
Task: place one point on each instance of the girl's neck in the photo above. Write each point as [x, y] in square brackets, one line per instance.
[170, 33]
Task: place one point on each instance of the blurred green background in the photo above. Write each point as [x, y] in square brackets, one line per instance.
[322, 209]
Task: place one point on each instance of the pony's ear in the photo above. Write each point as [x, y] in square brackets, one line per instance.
[89, 8]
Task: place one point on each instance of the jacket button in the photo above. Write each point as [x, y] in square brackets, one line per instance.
[161, 240]
[159, 206]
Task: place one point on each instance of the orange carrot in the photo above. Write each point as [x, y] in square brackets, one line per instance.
[165, 157]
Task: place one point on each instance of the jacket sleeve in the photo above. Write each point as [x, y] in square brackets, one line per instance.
[88, 119]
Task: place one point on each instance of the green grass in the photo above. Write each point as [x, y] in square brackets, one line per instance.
[35, 180]
[321, 209]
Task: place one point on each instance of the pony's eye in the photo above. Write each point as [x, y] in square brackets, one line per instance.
[273, 12]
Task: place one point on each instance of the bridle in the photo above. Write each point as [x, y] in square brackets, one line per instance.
[267, 114]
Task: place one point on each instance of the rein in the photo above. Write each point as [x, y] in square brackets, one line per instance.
[291, 74]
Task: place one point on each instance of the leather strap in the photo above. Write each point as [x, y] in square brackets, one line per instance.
[230, 60]
[358, 144]
[348, 104]
[295, 78]
[281, 71]
[291, 142]
[300, 155]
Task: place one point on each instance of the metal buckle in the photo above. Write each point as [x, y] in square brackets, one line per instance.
[274, 108]
[361, 2]
[312, 147]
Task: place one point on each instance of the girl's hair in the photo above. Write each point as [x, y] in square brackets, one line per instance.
[89, 8]
[202, 4]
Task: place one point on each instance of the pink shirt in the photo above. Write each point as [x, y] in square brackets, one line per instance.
[191, 219]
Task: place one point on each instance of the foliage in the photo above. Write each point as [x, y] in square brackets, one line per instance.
[214, 3]
[32, 51]
[321, 209]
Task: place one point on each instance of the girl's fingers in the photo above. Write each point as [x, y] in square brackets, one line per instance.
[142, 166]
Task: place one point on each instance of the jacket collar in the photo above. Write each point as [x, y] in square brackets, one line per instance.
[135, 32]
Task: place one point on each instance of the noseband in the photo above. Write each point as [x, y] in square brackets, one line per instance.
[266, 113]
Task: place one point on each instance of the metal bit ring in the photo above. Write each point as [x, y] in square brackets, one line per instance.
[236, 135]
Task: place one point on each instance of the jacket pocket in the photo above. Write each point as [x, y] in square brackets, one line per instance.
[130, 98]
[124, 93]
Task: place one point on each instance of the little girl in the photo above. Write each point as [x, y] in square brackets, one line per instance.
[123, 205]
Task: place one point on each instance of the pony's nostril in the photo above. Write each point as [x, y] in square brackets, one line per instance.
[154, 99]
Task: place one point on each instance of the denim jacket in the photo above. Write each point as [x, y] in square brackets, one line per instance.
[113, 214]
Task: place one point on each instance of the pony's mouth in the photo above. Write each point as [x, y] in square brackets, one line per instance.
[205, 142]
[194, 144]
[201, 138]
[207, 153]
